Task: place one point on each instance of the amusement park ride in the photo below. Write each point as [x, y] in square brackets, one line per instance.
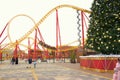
[58, 50]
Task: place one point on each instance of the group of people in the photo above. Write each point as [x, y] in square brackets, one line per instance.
[30, 61]
[14, 60]
[116, 75]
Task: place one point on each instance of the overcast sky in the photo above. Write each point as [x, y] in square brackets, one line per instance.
[36, 9]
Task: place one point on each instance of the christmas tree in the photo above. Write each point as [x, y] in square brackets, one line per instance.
[103, 34]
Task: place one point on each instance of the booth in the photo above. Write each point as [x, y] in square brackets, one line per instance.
[100, 63]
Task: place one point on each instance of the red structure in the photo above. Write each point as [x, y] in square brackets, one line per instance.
[58, 54]
[58, 37]
[0, 55]
[38, 36]
[97, 63]
[35, 45]
[15, 54]
[2, 40]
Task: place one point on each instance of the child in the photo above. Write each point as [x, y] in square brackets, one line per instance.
[116, 75]
[34, 64]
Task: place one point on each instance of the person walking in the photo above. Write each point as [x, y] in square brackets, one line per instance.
[116, 75]
[16, 60]
[29, 62]
[35, 63]
[12, 60]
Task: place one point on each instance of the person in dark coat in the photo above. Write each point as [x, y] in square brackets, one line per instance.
[29, 62]
[16, 60]
[13, 60]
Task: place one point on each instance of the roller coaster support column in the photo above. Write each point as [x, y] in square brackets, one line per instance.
[15, 55]
[35, 41]
[29, 48]
[2, 41]
[82, 29]
[3, 30]
[1, 48]
[58, 37]
[0, 55]
[82, 22]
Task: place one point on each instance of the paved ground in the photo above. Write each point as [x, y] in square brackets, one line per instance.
[47, 71]
[93, 72]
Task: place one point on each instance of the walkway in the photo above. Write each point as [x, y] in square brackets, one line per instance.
[45, 71]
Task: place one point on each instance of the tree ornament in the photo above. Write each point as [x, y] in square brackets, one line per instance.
[98, 47]
[106, 47]
[110, 37]
[119, 41]
[118, 29]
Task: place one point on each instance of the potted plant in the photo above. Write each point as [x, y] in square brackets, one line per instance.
[72, 57]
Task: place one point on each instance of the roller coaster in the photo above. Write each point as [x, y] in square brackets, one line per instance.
[40, 41]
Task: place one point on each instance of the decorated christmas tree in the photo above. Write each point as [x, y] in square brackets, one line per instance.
[103, 34]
